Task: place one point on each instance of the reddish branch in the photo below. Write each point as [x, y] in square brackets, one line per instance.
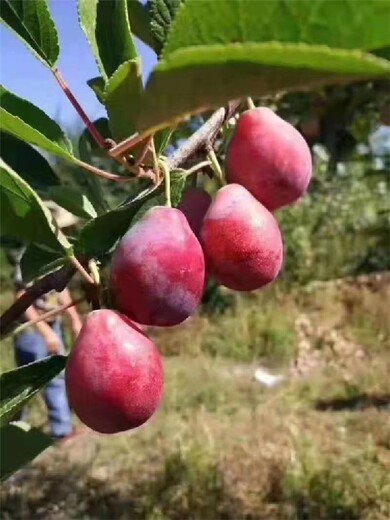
[58, 280]
[99, 139]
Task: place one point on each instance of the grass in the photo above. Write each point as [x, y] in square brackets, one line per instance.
[222, 447]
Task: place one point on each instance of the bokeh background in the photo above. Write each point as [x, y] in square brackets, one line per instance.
[308, 435]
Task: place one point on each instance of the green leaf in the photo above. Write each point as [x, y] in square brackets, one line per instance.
[29, 163]
[73, 200]
[23, 214]
[97, 85]
[162, 139]
[100, 235]
[20, 385]
[162, 14]
[176, 87]
[92, 185]
[32, 23]
[106, 26]
[338, 24]
[24, 120]
[178, 182]
[20, 443]
[37, 262]
[123, 98]
[140, 22]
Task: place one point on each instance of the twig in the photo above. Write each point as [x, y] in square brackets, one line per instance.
[56, 281]
[144, 151]
[101, 173]
[80, 268]
[46, 315]
[204, 135]
[88, 123]
[125, 145]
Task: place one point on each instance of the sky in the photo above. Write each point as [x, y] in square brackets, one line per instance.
[23, 74]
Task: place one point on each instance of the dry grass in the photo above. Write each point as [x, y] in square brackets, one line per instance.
[224, 448]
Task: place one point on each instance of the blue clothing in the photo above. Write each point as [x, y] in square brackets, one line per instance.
[30, 346]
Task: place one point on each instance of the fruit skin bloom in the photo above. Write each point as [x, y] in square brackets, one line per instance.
[269, 157]
[158, 270]
[241, 240]
[114, 375]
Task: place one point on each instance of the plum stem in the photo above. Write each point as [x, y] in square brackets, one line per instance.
[94, 270]
[167, 183]
[84, 273]
[198, 167]
[250, 103]
[45, 316]
[156, 167]
[215, 165]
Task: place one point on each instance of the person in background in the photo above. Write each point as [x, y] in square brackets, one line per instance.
[45, 338]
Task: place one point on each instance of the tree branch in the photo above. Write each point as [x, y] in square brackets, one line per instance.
[204, 135]
[56, 281]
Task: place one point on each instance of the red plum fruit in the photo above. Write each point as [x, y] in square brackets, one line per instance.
[114, 374]
[269, 157]
[241, 240]
[194, 204]
[158, 269]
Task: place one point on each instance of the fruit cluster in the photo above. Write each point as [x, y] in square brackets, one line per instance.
[114, 375]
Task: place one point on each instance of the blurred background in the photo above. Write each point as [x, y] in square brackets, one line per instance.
[277, 402]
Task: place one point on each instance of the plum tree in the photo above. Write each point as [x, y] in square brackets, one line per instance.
[194, 205]
[269, 157]
[241, 240]
[158, 270]
[114, 374]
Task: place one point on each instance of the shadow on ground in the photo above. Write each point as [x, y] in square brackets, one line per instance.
[357, 402]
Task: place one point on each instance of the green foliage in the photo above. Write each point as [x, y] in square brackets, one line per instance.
[72, 200]
[107, 29]
[36, 262]
[30, 164]
[23, 214]
[19, 445]
[29, 123]
[90, 184]
[243, 53]
[317, 22]
[175, 86]
[177, 185]
[325, 234]
[122, 97]
[32, 23]
[162, 13]
[97, 85]
[18, 386]
[101, 234]
[139, 21]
